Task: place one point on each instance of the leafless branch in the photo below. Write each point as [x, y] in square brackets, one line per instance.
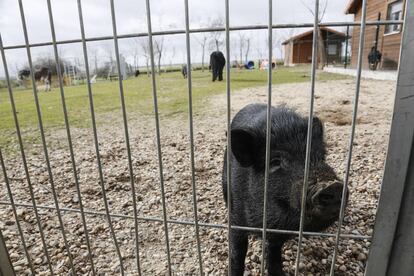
[322, 14]
[307, 7]
[323, 11]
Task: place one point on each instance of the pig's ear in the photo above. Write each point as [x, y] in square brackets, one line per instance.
[243, 145]
[317, 127]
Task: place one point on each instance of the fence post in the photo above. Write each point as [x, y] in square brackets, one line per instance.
[6, 267]
[392, 249]
[346, 46]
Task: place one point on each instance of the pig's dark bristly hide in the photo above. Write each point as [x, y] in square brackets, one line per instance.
[286, 173]
[217, 62]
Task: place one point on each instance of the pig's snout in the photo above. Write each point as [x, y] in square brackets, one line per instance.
[328, 194]
[328, 197]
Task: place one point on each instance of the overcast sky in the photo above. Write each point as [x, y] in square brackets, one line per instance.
[131, 18]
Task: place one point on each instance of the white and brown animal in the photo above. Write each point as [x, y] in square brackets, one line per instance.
[42, 74]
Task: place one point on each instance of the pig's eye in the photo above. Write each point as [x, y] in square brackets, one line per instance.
[275, 164]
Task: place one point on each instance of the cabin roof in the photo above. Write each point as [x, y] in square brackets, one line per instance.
[353, 6]
[301, 35]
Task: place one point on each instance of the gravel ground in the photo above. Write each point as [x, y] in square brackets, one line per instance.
[333, 104]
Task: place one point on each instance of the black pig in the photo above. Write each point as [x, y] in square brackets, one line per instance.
[286, 173]
[217, 62]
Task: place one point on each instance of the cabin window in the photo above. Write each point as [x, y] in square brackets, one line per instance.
[332, 49]
[394, 13]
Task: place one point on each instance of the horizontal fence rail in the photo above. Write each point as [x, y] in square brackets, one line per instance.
[165, 220]
[208, 30]
[184, 222]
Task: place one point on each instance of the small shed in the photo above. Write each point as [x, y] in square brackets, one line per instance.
[298, 48]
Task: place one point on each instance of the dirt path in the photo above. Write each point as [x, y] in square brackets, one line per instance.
[333, 105]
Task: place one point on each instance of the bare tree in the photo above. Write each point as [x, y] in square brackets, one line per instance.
[136, 61]
[216, 39]
[172, 56]
[276, 40]
[49, 62]
[109, 54]
[284, 35]
[203, 42]
[241, 43]
[247, 49]
[94, 55]
[321, 45]
[135, 53]
[145, 52]
[159, 47]
[259, 50]
[17, 67]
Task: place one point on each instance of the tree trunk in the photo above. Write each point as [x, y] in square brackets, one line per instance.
[217, 43]
[148, 70]
[159, 64]
[241, 54]
[96, 64]
[321, 50]
[202, 58]
[135, 62]
[247, 51]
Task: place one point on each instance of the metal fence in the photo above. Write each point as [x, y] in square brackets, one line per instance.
[409, 19]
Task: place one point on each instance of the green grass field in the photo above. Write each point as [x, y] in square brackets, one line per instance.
[172, 97]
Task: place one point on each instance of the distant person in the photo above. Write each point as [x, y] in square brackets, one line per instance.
[184, 70]
[374, 57]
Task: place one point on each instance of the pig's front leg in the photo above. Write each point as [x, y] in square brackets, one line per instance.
[274, 256]
[238, 250]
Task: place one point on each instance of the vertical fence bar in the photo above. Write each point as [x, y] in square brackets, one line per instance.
[326, 42]
[346, 46]
[6, 268]
[351, 138]
[23, 155]
[19, 228]
[128, 146]
[95, 137]
[191, 130]
[157, 127]
[309, 134]
[69, 135]
[268, 134]
[391, 251]
[228, 94]
[43, 138]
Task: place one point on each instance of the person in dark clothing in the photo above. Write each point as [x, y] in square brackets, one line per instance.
[184, 71]
[374, 57]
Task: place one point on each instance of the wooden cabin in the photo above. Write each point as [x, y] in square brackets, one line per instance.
[387, 39]
[298, 49]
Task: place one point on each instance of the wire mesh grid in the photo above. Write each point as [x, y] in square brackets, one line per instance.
[166, 222]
